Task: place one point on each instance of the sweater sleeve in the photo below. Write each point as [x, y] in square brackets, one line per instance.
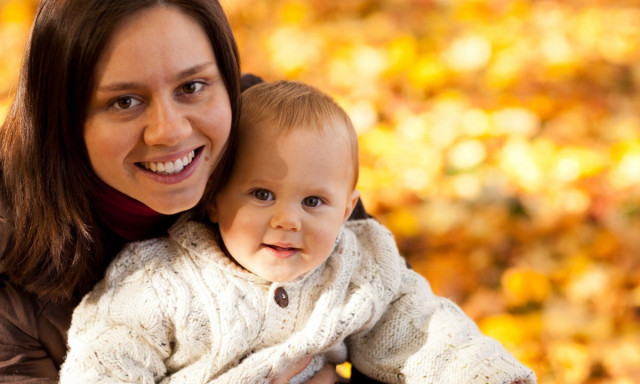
[118, 332]
[424, 338]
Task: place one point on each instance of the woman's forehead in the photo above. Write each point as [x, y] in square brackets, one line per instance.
[161, 38]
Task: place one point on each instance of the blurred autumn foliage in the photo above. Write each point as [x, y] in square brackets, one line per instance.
[500, 142]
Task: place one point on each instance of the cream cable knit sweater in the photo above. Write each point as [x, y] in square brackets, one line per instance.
[176, 310]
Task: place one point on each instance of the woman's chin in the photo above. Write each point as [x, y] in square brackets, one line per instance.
[172, 207]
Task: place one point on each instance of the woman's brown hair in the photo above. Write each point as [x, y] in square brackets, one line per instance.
[54, 249]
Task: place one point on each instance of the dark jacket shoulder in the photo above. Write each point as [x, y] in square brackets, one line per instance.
[32, 336]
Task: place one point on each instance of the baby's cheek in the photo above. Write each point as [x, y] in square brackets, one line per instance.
[325, 241]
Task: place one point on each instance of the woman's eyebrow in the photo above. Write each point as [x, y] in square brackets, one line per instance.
[127, 85]
[116, 87]
[194, 70]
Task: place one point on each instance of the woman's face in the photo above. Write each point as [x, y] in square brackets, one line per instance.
[159, 115]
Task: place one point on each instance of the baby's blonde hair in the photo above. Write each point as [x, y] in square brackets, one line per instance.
[291, 105]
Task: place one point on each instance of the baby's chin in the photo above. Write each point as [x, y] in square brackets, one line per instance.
[282, 277]
[284, 270]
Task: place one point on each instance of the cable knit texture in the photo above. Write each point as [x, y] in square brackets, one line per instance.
[176, 310]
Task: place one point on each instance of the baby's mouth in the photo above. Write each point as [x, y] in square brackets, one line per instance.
[282, 252]
[169, 167]
[281, 249]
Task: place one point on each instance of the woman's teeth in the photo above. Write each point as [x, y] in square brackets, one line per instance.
[170, 167]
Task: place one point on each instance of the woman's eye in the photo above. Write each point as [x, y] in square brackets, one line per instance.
[262, 194]
[192, 87]
[312, 201]
[125, 103]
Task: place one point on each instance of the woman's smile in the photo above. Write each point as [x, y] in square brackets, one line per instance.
[169, 167]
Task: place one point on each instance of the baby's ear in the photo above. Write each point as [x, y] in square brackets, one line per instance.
[352, 200]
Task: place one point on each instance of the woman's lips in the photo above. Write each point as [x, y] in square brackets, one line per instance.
[175, 176]
[169, 167]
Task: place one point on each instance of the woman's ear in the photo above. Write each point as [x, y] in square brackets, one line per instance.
[352, 200]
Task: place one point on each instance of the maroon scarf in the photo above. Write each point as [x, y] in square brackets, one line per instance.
[129, 218]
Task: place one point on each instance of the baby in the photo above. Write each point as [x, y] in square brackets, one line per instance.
[278, 274]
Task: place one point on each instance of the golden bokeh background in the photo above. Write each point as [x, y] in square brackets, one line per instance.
[500, 142]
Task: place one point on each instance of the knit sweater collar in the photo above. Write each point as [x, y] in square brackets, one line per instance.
[127, 217]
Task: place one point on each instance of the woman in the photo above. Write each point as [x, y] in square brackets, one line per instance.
[122, 112]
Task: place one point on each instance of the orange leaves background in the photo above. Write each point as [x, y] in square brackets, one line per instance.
[500, 142]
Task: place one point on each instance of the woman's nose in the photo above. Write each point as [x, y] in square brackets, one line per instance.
[167, 124]
[286, 218]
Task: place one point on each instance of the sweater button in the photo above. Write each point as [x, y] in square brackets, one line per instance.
[282, 299]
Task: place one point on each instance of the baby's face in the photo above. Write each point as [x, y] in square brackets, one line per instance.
[289, 194]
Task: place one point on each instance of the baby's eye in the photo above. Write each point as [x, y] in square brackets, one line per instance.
[312, 201]
[192, 87]
[262, 194]
[125, 103]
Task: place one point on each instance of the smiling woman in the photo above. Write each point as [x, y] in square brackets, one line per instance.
[122, 114]
[125, 112]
